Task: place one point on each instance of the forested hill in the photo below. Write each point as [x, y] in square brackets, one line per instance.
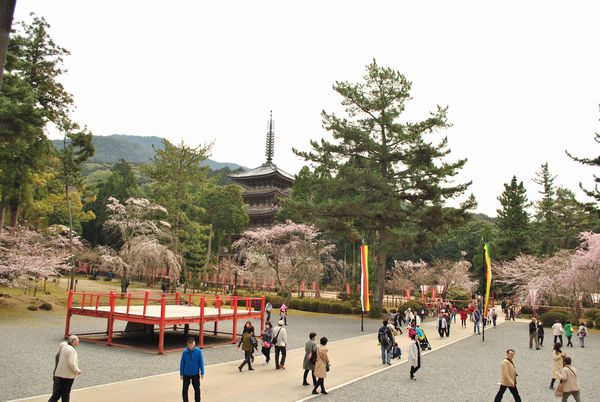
[134, 149]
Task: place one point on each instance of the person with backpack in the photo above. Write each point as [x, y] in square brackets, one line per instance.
[247, 347]
[476, 319]
[310, 358]
[268, 310]
[280, 341]
[557, 331]
[385, 338]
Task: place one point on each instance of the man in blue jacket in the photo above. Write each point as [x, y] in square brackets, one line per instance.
[191, 369]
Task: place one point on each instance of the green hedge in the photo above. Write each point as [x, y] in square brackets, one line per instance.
[414, 305]
[592, 314]
[550, 317]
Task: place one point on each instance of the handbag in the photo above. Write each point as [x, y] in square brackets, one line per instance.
[266, 344]
[327, 367]
[559, 390]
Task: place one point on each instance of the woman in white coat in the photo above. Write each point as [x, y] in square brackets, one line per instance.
[414, 356]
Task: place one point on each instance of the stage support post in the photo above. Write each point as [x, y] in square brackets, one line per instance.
[111, 317]
[69, 305]
[218, 306]
[235, 310]
[201, 340]
[262, 315]
[161, 333]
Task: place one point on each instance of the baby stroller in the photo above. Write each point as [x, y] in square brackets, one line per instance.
[423, 339]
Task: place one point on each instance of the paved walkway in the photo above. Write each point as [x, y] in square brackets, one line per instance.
[351, 359]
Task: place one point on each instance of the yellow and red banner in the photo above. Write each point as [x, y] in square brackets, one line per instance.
[364, 278]
[488, 275]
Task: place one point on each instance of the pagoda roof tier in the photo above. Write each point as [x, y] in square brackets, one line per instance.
[264, 192]
[264, 171]
[261, 211]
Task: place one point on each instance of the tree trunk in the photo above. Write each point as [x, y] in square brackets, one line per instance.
[381, 279]
[2, 214]
[14, 215]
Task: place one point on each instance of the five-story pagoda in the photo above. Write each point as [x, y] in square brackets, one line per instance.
[264, 185]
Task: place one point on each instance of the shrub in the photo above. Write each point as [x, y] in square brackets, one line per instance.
[336, 308]
[313, 305]
[303, 304]
[356, 310]
[276, 301]
[46, 306]
[592, 314]
[324, 307]
[32, 308]
[346, 309]
[293, 304]
[92, 277]
[285, 294]
[106, 279]
[343, 296]
[549, 317]
[375, 312]
[590, 324]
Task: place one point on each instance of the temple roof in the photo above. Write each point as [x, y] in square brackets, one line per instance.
[265, 170]
[261, 193]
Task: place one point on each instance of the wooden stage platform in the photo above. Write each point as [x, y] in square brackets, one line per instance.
[163, 311]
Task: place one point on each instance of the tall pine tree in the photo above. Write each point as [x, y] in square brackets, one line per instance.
[384, 178]
[545, 226]
[513, 225]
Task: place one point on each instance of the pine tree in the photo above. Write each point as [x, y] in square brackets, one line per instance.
[382, 177]
[513, 222]
[545, 227]
[571, 218]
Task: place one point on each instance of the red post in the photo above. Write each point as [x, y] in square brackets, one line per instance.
[128, 301]
[218, 305]
[235, 306]
[262, 315]
[82, 300]
[91, 299]
[161, 334]
[189, 300]
[69, 305]
[111, 317]
[145, 302]
[176, 297]
[97, 301]
[201, 340]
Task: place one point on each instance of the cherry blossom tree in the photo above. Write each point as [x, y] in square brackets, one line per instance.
[27, 255]
[140, 224]
[288, 252]
[450, 274]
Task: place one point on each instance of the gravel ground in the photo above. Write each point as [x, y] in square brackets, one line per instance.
[28, 347]
[469, 371]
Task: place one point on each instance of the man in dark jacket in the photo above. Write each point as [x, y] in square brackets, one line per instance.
[533, 335]
[191, 368]
[385, 338]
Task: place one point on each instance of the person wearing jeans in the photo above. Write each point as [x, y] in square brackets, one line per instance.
[386, 342]
[476, 319]
[280, 335]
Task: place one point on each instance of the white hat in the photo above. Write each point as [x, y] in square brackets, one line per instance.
[280, 322]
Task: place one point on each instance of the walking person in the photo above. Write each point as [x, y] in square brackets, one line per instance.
[533, 334]
[385, 338]
[414, 356]
[248, 328]
[321, 366]
[581, 334]
[470, 310]
[494, 317]
[511, 310]
[191, 369]
[463, 318]
[283, 313]
[248, 348]
[280, 341]
[65, 370]
[557, 362]
[454, 312]
[476, 319]
[268, 310]
[569, 333]
[540, 333]
[508, 378]
[448, 322]
[557, 331]
[266, 341]
[568, 375]
[310, 349]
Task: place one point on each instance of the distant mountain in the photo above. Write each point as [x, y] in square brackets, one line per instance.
[135, 149]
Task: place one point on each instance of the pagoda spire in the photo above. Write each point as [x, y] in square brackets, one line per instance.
[270, 140]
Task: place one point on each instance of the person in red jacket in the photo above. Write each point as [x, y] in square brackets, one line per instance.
[470, 310]
[463, 318]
